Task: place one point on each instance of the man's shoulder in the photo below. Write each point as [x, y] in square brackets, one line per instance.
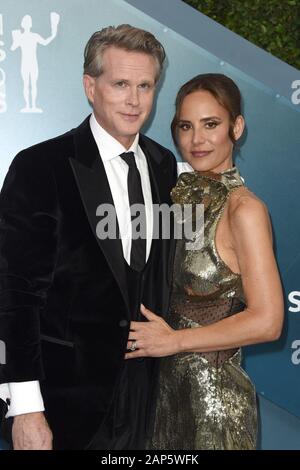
[49, 148]
[42, 157]
[52, 151]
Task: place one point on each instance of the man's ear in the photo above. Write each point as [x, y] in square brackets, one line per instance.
[89, 87]
[238, 127]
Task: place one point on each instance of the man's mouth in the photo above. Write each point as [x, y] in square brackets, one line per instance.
[130, 117]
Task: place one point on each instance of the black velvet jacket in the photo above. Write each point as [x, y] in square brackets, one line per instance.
[64, 313]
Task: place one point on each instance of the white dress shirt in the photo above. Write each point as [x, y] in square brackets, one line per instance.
[116, 172]
[26, 397]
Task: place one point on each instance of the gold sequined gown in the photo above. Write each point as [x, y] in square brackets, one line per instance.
[205, 400]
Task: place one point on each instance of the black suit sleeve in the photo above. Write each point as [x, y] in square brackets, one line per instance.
[28, 246]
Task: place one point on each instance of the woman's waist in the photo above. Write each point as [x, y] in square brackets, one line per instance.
[185, 313]
[199, 311]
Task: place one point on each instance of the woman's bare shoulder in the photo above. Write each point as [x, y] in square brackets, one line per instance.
[246, 208]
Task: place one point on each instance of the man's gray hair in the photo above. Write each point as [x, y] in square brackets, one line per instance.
[125, 37]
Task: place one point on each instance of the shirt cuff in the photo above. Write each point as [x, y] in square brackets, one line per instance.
[25, 397]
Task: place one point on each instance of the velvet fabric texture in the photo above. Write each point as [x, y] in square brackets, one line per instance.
[64, 306]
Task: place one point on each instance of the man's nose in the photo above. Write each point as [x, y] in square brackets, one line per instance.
[133, 97]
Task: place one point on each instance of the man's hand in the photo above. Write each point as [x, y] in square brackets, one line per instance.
[31, 432]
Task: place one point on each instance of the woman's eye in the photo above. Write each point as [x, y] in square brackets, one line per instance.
[184, 127]
[211, 124]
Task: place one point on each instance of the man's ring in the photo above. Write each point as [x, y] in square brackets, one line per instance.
[133, 346]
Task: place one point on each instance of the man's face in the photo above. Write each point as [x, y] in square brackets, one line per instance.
[122, 96]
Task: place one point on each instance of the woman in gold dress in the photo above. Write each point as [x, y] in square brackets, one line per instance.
[227, 294]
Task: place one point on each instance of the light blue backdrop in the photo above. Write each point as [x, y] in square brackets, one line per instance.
[269, 157]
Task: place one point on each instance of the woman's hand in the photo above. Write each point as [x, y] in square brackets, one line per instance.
[154, 338]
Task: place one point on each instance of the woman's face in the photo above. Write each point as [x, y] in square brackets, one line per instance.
[203, 133]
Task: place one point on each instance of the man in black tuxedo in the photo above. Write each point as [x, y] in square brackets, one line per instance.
[67, 295]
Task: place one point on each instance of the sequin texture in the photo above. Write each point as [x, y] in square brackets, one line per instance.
[205, 400]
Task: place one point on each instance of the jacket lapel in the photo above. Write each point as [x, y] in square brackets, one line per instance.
[158, 171]
[94, 190]
[161, 182]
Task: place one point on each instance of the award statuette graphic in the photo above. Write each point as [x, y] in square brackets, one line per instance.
[28, 42]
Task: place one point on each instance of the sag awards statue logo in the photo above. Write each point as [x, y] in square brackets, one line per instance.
[3, 105]
[28, 41]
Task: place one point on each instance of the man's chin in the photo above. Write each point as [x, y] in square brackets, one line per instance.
[130, 130]
[127, 137]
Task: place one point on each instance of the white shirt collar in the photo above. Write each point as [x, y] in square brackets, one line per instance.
[108, 146]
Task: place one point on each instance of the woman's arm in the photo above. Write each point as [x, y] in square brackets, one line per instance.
[262, 319]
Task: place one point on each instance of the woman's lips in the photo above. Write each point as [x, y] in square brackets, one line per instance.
[199, 154]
